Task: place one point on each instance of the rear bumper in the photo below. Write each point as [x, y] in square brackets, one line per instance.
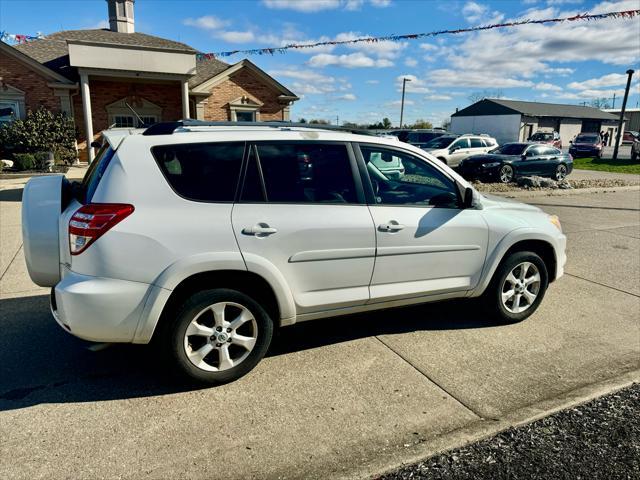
[98, 309]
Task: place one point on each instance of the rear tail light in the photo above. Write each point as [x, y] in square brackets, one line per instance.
[92, 221]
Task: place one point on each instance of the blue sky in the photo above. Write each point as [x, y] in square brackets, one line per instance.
[564, 63]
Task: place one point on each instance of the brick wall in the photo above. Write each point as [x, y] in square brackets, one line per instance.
[242, 83]
[103, 92]
[34, 85]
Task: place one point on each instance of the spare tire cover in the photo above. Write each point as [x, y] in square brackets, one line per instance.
[41, 208]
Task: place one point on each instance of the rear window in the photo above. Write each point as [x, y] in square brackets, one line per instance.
[95, 172]
[206, 172]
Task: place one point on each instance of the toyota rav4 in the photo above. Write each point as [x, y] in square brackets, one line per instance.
[202, 238]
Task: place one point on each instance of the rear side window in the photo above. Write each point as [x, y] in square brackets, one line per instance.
[95, 172]
[301, 173]
[206, 172]
[476, 143]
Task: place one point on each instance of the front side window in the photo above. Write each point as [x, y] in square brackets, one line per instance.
[207, 172]
[461, 143]
[301, 173]
[421, 184]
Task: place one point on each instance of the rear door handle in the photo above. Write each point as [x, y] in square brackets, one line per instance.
[259, 230]
[390, 227]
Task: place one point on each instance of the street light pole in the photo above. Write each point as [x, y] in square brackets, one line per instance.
[404, 82]
[621, 120]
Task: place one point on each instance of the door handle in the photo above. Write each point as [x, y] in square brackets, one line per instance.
[259, 230]
[392, 226]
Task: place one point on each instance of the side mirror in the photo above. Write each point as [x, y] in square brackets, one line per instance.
[453, 149]
[523, 156]
[467, 201]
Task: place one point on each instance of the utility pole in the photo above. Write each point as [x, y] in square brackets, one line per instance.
[621, 120]
[404, 82]
[337, 121]
[613, 105]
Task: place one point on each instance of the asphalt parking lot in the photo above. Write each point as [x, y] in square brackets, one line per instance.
[348, 397]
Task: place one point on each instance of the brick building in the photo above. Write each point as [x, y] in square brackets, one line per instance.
[97, 75]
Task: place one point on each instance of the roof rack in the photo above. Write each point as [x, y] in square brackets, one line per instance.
[167, 128]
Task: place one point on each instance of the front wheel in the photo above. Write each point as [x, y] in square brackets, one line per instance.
[561, 172]
[506, 174]
[217, 336]
[517, 288]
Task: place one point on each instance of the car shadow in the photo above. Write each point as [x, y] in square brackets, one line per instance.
[41, 363]
[11, 195]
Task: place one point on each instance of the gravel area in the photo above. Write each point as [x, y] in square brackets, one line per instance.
[597, 440]
[574, 184]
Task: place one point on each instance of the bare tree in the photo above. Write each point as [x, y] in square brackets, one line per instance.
[600, 103]
[481, 95]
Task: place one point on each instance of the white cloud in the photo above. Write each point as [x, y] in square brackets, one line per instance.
[474, 79]
[207, 22]
[310, 6]
[610, 80]
[353, 60]
[397, 103]
[305, 6]
[99, 25]
[347, 96]
[599, 93]
[438, 97]
[372, 82]
[236, 36]
[414, 85]
[429, 47]
[410, 62]
[474, 11]
[547, 87]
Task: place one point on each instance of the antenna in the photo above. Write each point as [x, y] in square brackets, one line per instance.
[141, 124]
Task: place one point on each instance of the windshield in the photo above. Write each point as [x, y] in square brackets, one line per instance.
[587, 139]
[541, 137]
[510, 149]
[440, 142]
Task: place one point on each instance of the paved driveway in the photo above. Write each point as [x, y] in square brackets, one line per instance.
[343, 397]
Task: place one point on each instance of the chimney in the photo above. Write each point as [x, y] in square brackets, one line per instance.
[121, 16]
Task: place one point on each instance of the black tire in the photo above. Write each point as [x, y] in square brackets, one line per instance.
[561, 172]
[492, 297]
[171, 340]
[506, 174]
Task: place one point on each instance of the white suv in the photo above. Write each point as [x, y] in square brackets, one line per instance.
[452, 149]
[203, 238]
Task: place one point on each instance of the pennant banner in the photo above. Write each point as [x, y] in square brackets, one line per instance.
[295, 46]
[7, 37]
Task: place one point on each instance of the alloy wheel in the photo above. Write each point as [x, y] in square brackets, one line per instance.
[520, 288]
[506, 174]
[561, 172]
[214, 343]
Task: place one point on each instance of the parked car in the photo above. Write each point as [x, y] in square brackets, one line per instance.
[401, 134]
[629, 136]
[586, 145]
[635, 149]
[388, 164]
[420, 138]
[204, 239]
[452, 149]
[511, 160]
[552, 138]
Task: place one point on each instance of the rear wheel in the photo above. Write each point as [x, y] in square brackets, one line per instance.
[517, 288]
[217, 336]
[561, 172]
[506, 174]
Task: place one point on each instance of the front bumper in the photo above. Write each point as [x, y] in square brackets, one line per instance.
[472, 172]
[98, 309]
[584, 152]
[561, 255]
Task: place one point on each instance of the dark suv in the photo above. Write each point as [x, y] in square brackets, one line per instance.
[586, 145]
[420, 138]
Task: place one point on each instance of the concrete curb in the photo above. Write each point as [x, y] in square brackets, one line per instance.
[486, 428]
[562, 193]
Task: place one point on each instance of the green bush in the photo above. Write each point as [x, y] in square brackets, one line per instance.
[24, 161]
[41, 131]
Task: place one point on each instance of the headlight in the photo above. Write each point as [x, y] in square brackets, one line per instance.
[556, 221]
[492, 164]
